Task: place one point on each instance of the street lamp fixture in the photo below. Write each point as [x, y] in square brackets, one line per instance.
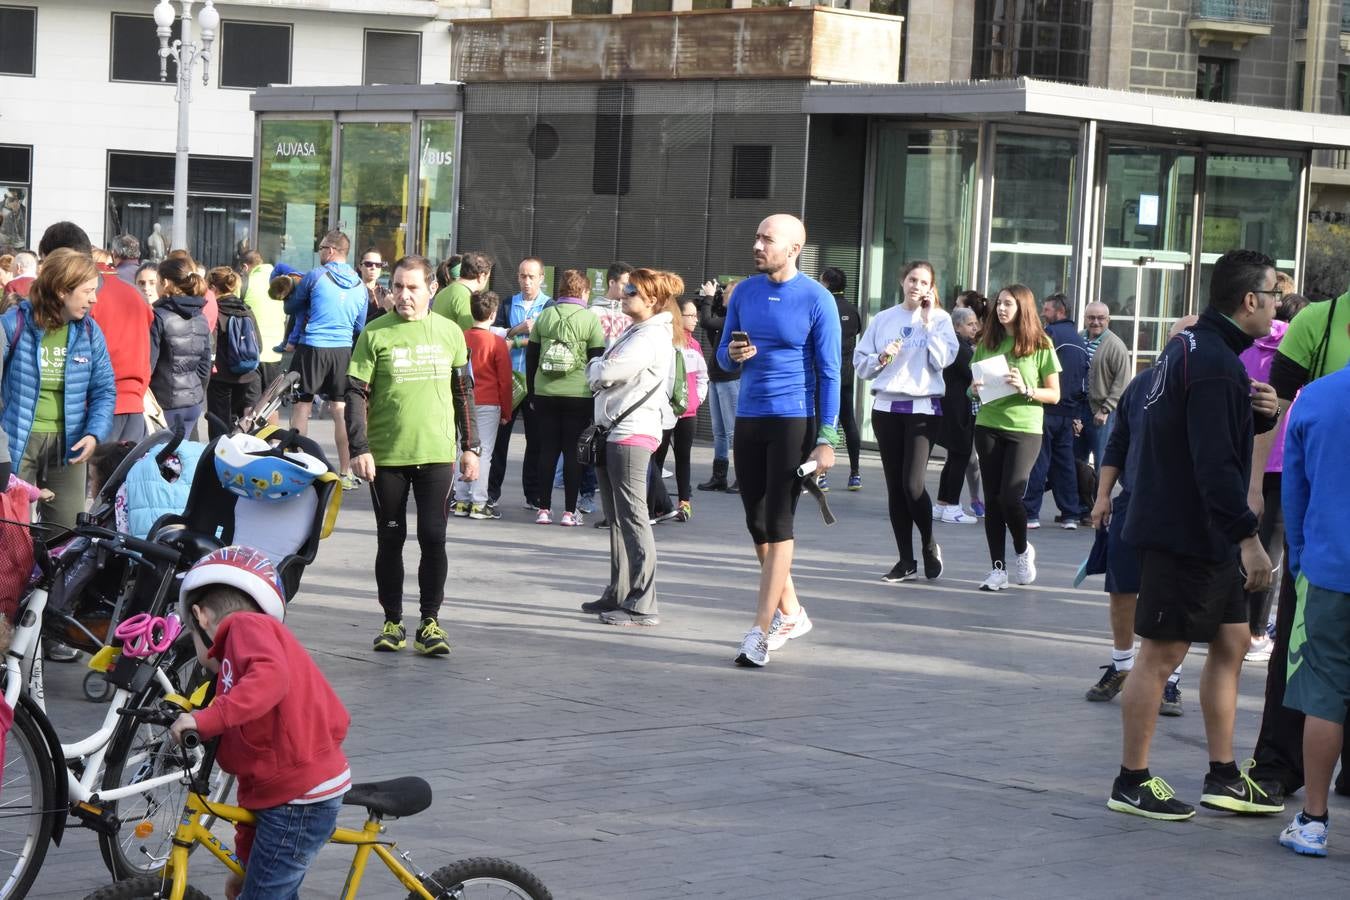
[185, 53]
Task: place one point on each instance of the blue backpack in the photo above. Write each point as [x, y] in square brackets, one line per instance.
[241, 351]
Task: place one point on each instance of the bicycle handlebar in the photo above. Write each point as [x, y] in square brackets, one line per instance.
[164, 716]
[144, 548]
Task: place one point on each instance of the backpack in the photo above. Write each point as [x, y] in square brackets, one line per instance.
[565, 353]
[240, 352]
[679, 393]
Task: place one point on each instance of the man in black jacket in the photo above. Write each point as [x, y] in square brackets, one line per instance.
[724, 387]
[1189, 519]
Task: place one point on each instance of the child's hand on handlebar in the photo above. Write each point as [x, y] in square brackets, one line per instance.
[182, 725]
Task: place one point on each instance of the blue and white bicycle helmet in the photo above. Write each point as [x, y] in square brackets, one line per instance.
[250, 467]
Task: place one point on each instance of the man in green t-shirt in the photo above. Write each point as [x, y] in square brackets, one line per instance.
[475, 271]
[409, 395]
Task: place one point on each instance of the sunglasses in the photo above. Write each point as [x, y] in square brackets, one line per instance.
[372, 265]
[630, 290]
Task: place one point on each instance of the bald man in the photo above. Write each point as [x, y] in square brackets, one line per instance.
[1108, 373]
[782, 334]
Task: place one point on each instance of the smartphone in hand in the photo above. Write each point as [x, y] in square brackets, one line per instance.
[741, 336]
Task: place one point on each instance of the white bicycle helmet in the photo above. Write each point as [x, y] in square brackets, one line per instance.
[248, 466]
[239, 567]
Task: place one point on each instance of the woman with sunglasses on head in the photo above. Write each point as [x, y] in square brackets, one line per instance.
[1008, 429]
[903, 352]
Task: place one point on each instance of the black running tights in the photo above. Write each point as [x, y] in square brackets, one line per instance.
[682, 436]
[1006, 458]
[905, 440]
[430, 486]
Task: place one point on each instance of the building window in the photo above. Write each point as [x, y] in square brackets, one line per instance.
[751, 171]
[16, 176]
[393, 57]
[651, 6]
[254, 55]
[1214, 79]
[712, 4]
[592, 7]
[18, 40]
[1343, 90]
[135, 49]
[1036, 38]
[759, 3]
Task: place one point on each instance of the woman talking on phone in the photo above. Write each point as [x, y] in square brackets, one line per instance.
[903, 352]
[1008, 428]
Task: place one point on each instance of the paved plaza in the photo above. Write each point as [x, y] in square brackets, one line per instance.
[925, 739]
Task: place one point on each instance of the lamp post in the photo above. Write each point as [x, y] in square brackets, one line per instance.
[185, 53]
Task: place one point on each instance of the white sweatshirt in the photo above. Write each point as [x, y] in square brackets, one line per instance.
[916, 371]
[641, 357]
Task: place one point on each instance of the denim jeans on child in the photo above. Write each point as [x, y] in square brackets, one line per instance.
[288, 838]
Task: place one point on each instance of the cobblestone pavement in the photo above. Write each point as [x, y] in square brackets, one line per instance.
[924, 739]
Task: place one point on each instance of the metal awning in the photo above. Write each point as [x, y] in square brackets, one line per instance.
[357, 98]
[1028, 101]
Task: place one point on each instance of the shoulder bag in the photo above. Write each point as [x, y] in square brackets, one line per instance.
[591, 444]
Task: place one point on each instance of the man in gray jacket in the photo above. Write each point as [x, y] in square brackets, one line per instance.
[1108, 374]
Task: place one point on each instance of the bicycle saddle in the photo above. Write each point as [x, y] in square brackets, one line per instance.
[397, 797]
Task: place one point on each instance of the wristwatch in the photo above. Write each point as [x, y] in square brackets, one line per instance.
[476, 450]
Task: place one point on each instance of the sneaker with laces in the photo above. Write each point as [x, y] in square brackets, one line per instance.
[1033, 524]
[855, 481]
[350, 482]
[393, 636]
[902, 571]
[1069, 524]
[1107, 686]
[932, 560]
[1024, 567]
[977, 507]
[1171, 701]
[431, 639]
[996, 580]
[570, 520]
[685, 512]
[823, 482]
[754, 648]
[785, 628]
[461, 509]
[955, 515]
[586, 504]
[1305, 836]
[545, 517]
[484, 511]
[1260, 650]
[1239, 795]
[1154, 799]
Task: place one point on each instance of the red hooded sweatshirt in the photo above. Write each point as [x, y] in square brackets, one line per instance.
[280, 723]
[125, 319]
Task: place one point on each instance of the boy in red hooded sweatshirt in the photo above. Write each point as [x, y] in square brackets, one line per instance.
[280, 724]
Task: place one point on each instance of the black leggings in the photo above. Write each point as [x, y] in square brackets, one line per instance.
[767, 452]
[430, 485]
[561, 420]
[953, 473]
[1272, 538]
[1006, 458]
[905, 440]
[848, 419]
[682, 435]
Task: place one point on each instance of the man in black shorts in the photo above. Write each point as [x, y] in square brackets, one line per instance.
[329, 305]
[1186, 517]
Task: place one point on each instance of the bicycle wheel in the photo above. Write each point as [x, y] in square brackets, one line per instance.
[139, 751]
[26, 798]
[148, 887]
[484, 878]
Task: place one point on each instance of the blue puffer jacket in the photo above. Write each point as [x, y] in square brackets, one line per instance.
[90, 392]
[149, 496]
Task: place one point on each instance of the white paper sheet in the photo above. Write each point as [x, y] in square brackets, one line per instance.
[992, 372]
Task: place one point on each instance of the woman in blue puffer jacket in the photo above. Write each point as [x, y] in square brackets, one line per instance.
[59, 389]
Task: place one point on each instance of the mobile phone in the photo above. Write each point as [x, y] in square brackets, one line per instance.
[740, 336]
[926, 302]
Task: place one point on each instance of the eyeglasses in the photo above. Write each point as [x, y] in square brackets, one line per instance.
[1278, 295]
[689, 315]
[372, 265]
[630, 290]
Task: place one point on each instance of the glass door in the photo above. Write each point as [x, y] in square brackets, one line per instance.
[1145, 297]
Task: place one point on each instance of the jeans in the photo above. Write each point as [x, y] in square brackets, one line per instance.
[187, 416]
[632, 547]
[287, 839]
[1055, 463]
[1093, 441]
[489, 418]
[722, 396]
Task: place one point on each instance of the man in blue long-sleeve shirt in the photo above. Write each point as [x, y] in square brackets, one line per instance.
[1316, 484]
[1189, 519]
[782, 334]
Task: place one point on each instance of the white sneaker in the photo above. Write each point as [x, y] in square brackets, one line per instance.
[1024, 567]
[785, 628]
[1305, 836]
[937, 512]
[955, 515]
[754, 649]
[1069, 524]
[997, 579]
[1260, 650]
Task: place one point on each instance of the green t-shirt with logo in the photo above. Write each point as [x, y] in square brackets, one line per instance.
[410, 416]
[50, 415]
[1017, 413]
[579, 329]
[1302, 341]
[453, 303]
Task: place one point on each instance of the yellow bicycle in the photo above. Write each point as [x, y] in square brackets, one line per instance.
[466, 879]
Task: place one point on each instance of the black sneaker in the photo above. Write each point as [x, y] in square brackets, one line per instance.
[902, 571]
[932, 561]
[431, 639]
[1239, 795]
[392, 636]
[1171, 701]
[601, 523]
[1154, 799]
[605, 604]
[1108, 685]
